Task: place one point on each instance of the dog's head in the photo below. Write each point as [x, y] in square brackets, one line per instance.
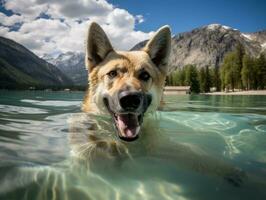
[126, 84]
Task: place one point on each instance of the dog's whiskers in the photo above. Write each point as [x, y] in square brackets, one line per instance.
[83, 148]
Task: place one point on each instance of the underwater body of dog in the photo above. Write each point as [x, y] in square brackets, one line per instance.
[127, 86]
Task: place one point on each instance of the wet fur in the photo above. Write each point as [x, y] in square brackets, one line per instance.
[89, 145]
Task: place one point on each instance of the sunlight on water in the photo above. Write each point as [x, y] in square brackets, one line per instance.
[21, 110]
[52, 103]
[193, 149]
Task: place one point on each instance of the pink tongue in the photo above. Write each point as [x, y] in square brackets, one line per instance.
[128, 124]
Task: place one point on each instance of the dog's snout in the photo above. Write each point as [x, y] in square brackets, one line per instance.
[130, 100]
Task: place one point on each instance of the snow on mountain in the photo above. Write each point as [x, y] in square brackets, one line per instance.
[72, 64]
[247, 36]
[214, 27]
[209, 44]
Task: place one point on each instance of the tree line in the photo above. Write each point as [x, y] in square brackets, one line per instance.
[238, 71]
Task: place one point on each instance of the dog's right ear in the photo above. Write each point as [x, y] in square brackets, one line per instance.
[97, 46]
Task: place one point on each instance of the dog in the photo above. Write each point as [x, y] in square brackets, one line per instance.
[127, 87]
[123, 84]
[118, 128]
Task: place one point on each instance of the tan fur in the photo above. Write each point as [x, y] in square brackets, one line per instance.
[152, 58]
[128, 65]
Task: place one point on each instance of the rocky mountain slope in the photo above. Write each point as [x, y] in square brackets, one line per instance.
[208, 45]
[259, 37]
[20, 67]
[202, 46]
[72, 64]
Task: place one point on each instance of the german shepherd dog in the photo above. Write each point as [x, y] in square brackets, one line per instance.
[125, 84]
[128, 87]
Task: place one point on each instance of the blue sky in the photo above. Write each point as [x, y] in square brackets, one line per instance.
[184, 15]
[55, 26]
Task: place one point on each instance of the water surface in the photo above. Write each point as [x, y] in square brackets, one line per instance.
[36, 159]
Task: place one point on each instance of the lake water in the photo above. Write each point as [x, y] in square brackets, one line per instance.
[37, 162]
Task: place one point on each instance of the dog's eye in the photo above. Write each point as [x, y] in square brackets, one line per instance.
[144, 76]
[112, 74]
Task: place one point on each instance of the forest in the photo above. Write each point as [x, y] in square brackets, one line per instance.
[238, 71]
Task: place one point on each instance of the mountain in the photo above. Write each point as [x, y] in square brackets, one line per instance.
[202, 46]
[19, 67]
[72, 64]
[208, 45]
[259, 37]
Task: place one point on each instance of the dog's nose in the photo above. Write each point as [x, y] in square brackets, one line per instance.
[130, 100]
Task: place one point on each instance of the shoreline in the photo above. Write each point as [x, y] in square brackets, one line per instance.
[249, 92]
[173, 90]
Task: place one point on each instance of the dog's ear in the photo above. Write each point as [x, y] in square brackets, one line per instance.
[97, 46]
[158, 47]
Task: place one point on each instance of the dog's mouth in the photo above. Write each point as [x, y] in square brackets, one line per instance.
[127, 123]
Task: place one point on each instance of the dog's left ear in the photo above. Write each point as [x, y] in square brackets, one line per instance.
[159, 46]
[97, 46]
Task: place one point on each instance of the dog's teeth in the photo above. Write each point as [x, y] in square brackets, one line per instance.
[137, 130]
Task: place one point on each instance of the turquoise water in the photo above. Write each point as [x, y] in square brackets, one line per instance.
[199, 147]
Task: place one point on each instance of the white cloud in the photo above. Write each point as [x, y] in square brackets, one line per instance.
[79, 8]
[40, 36]
[120, 18]
[29, 9]
[68, 22]
[140, 19]
[10, 20]
[3, 31]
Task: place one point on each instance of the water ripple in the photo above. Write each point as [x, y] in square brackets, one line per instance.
[21, 110]
[52, 103]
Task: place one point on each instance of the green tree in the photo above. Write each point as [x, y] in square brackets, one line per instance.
[216, 78]
[208, 80]
[230, 71]
[202, 79]
[172, 78]
[182, 76]
[192, 78]
[240, 52]
[260, 71]
[247, 72]
[176, 78]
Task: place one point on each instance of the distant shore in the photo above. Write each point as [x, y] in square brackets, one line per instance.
[249, 92]
[184, 90]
